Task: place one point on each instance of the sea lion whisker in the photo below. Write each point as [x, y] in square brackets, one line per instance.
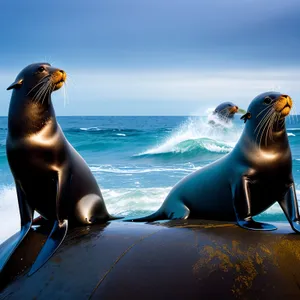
[220, 113]
[223, 109]
[39, 83]
[275, 121]
[267, 117]
[291, 115]
[270, 128]
[38, 93]
[276, 118]
[294, 112]
[41, 89]
[227, 112]
[267, 130]
[65, 94]
[264, 110]
[262, 120]
[264, 132]
[46, 92]
[224, 117]
[262, 124]
[70, 79]
[41, 92]
[52, 88]
[266, 114]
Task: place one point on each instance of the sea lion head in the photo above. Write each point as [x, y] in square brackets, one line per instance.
[38, 80]
[266, 113]
[226, 110]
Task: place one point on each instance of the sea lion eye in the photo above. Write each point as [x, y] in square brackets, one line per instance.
[41, 69]
[267, 100]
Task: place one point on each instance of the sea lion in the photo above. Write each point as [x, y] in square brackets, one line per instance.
[248, 180]
[50, 176]
[225, 112]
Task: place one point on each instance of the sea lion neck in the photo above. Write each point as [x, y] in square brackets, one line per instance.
[267, 139]
[255, 147]
[29, 117]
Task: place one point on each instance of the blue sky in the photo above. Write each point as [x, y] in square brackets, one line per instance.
[154, 57]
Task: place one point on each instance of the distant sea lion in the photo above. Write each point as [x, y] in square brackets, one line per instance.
[248, 180]
[225, 112]
[50, 176]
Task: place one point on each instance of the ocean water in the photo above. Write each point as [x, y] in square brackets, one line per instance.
[136, 160]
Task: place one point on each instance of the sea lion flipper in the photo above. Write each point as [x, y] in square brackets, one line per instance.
[54, 240]
[289, 205]
[60, 227]
[26, 212]
[242, 207]
[26, 215]
[253, 225]
[179, 212]
[8, 251]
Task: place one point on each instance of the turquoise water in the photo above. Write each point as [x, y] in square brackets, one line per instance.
[136, 160]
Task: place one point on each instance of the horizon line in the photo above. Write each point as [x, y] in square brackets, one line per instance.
[1, 116]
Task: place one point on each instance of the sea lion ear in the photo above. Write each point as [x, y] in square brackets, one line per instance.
[16, 84]
[246, 116]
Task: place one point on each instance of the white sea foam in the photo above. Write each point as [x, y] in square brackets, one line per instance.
[9, 212]
[290, 134]
[196, 132]
[126, 202]
[90, 128]
[123, 202]
[187, 168]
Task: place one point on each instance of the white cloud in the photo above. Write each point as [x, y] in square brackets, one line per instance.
[181, 84]
[204, 88]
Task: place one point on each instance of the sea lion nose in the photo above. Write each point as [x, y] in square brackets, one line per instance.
[63, 74]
